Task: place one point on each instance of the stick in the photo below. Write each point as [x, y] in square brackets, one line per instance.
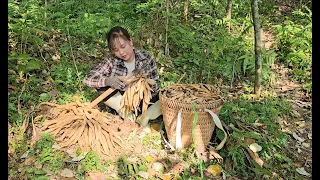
[101, 97]
[181, 78]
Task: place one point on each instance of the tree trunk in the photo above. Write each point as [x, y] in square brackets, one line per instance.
[229, 9]
[257, 47]
[167, 26]
[185, 11]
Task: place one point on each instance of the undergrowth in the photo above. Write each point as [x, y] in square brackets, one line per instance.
[52, 45]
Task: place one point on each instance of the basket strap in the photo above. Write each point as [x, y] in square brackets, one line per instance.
[219, 125]
[167, 143]
[178, 131]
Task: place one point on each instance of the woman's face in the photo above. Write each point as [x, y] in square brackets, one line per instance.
[123, 49]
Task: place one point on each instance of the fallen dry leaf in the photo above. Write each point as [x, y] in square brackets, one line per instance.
[71, 153]
[258, 124]
[151, 172]
[302, 171]
[48, 171]
[215, 154]
[307, 145]
[255, 147]
[67, 173]
[133, 160]
[215, 170]
[255, 157]
[155, 127]
[158, 167]
[25, 125]
[178, 167]
[56, 146]
[38, 165]
[54, 93]
[56, 57]
[24, 155]
[297, 137]
[299, 150]
[249, 141]
[309, 159]
[98, 176]
[28, 161]
[138, 148]
[35, 134]
[143, 174]
[310, 135]
[149, 158]
[78, 158]
[168, 176]
[12, 87]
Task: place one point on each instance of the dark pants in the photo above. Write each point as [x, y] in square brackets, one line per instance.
[154, 99]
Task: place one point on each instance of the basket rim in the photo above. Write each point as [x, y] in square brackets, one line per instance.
[217, 103]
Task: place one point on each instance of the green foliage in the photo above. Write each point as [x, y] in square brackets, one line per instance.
[55, 159]
[267, 112]
[294, 45]
[92, 162]
[34, 174]
[128, 168]
[202, 48]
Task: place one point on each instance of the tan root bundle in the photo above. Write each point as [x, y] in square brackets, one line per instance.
[138, 90]
[187, 93]
[79, 123]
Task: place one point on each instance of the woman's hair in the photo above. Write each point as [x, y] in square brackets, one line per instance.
[115, 33]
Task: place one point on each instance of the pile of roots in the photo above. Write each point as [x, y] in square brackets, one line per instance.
[139, 91]
[187, 93]
[78, 123]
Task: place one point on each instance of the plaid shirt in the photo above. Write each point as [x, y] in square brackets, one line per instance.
[113, 66]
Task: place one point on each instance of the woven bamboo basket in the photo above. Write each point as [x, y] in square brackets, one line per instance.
[204, 127]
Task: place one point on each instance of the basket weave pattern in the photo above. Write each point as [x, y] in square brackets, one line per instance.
[204, 127]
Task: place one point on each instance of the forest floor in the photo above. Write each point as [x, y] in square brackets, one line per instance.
[299, 127]
[148, 150]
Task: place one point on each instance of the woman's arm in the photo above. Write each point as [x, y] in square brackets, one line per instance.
[153, 74]
[97, 77]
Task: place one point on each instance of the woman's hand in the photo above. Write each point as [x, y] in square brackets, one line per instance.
[115, 82]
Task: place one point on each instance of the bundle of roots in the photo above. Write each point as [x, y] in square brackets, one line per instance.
[139, 91]
[77, 122]
[187, 93]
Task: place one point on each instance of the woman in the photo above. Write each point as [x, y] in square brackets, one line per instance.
[124, 60]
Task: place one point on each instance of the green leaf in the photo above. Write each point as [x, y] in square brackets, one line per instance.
[254, 135]
[59, 14]
[39, 40]
[21, 68]
[265, 171]
[29, 170]
[24, 57]
[48, 158]
[33, 64]
[236, 135]
[245, 63]
[197, 62]
[214, 51]
[40, 172]
[42, 178]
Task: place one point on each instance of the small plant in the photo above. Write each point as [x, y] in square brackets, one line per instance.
[34, 174]
[92, 162]
[53, 158]
[294, 44]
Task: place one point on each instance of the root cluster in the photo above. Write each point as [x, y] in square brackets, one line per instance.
[139, 91]
[79, 123]
[187, 93]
